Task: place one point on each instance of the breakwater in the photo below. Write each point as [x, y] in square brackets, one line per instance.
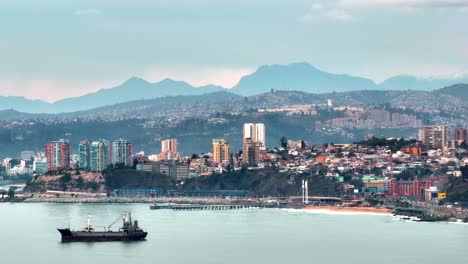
[152, 200]
[193, 207]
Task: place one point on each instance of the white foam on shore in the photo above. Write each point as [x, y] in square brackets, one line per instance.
[457, 223]
[333, 212]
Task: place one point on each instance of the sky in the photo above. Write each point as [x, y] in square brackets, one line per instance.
[58, 48]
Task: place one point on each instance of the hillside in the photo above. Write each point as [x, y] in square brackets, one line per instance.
[408, 82]
[459, 91]
[448, 99]
[68, 181]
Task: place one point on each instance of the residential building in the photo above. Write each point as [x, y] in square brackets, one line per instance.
[40, 166]
[169, 145]
[220, 148]
[173, 169]
[255, 132]
[411, 188]
[84, 155]
[250, 152]
[169, 150]
[434, 136]
[27, 155]
[58, 155]
[122, 152]
[460, 134]
[100, 155]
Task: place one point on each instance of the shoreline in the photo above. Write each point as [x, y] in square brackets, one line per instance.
[340, 209]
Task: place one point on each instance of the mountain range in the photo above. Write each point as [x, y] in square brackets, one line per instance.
[292, 77]
[452, 99]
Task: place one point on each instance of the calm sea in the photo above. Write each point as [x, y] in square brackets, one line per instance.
[28, 235]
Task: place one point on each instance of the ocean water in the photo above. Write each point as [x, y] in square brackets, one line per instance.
[28, 235]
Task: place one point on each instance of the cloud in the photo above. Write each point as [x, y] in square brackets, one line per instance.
[406, 3]
[319, 12]
[87, 12]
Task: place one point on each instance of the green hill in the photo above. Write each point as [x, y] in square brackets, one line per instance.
[457, 90]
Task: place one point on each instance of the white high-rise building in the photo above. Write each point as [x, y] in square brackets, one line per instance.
[256, 132]
[100, 155]
[169, 145]
[260, 135]
[249, 131]
[122, 152]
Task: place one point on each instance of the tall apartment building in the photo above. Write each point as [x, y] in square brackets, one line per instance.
[250, 152]
[460, 134]
[169, 150]
[84, 154]
[256, 132]
[435, 136]
[58, 155]
[122, 152]
[100, 155]
[220, 149]
[169, 145]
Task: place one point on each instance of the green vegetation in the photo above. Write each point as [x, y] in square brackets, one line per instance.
[412, 173]
[116, 178]
[457, 90]
[267, 182]
[394, 144]
[457, 187]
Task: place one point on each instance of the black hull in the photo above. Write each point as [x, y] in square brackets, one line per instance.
[70, 236]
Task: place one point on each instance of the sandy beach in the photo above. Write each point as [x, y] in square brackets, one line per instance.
[342, 209]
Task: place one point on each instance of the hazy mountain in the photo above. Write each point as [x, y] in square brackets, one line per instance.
[22, 104]
[292, 77]
[133, 89]
[299, 77]
[459, 91]
[182, 105]
[408, 82]
[11, 114]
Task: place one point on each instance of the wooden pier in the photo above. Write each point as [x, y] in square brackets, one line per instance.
[198, 207]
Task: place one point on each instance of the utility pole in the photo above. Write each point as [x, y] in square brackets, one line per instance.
[303, 191]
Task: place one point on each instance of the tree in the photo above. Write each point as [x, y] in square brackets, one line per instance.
[451, 163]
[464, 171]
[135, 163]
[66, 178]
[284, 142]
[11, 193]
[464, 145]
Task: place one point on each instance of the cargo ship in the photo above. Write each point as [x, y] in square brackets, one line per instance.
[128, 232]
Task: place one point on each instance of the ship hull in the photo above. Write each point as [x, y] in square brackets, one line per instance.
[81, 236]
